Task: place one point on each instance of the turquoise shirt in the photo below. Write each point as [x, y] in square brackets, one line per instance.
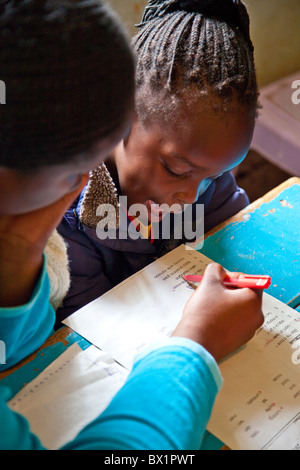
[165, 403]
[25, 328]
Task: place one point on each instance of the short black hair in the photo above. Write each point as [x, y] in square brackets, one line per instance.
[203, 45]
[69, 75]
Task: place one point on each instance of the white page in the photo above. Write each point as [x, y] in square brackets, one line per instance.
[148, 306]
[69, 394]
[259, 404]
[145, 307]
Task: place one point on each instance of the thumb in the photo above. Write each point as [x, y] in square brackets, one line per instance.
[214, 275]
[50, 216]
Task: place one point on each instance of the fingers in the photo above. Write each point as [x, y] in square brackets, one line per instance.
[234, 275]
[250, 301]
[214, 277]
[35, 227]
[214, 274]
[53, 214]
[220, 318]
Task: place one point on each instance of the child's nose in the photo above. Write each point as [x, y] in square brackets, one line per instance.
[189, 194]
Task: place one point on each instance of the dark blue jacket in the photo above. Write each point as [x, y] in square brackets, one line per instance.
[98, 265]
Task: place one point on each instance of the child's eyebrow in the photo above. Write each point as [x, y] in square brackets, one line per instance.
[188, 162]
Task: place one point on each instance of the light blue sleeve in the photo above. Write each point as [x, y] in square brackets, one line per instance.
[164, 405]
[25, 328]
[15, 433]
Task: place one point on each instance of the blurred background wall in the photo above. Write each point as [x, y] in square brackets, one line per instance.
[275, 32]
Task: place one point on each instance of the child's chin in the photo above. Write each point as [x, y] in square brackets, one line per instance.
[155, 219]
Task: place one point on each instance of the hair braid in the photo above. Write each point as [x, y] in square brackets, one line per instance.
[204, 43]
[176, 49]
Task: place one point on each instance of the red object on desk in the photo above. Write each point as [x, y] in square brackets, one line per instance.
[243, 280]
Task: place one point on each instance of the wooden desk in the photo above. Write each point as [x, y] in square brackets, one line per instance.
[264, 238]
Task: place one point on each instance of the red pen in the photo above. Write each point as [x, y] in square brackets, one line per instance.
[243, 280]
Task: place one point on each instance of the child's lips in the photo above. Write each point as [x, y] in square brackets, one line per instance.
[156, 213]
[156, 208]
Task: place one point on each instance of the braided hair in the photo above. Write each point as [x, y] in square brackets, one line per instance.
[200, 44]
[61, 62]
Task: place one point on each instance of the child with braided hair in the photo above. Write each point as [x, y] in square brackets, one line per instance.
[64, 113]
[196, 102]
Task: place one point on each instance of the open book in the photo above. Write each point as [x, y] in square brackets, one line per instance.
[259, 404]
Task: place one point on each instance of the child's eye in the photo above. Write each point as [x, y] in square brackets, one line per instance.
[172, 173]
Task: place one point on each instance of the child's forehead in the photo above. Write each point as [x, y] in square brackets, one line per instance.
[187, 104]
[201, 137]
[201, 120]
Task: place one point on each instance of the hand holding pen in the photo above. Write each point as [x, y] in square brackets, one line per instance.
[219, 318]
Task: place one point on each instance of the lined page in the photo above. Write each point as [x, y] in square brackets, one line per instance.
[69, 394]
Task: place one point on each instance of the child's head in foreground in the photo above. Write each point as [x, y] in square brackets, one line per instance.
[69, 76]
[196, 100]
